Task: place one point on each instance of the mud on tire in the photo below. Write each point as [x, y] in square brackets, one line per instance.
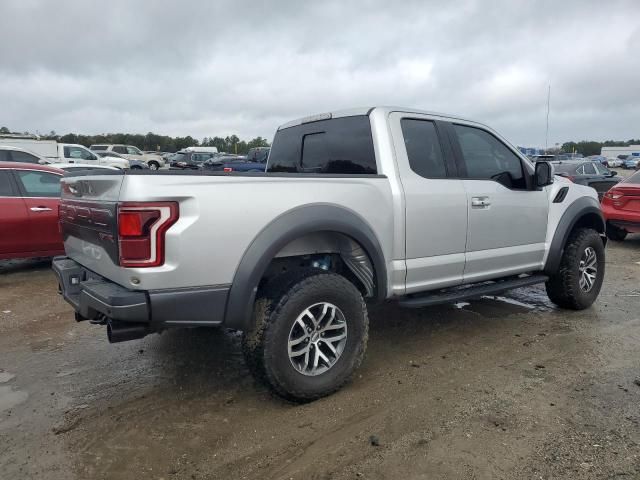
[564, 288]
[266, 345]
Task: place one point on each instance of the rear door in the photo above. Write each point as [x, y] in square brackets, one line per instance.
[41, 193]
[507, 224]
[435, 203]
[13, 217]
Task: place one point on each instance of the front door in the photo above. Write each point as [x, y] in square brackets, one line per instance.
[435, 203]
[41, 193]
[507, 224]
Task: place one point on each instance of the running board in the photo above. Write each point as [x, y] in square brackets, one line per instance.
[450, 296]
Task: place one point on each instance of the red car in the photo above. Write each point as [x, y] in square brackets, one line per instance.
[621, 208]
[29, 197]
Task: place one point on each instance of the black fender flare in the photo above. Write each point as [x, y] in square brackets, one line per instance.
[577, 210]
[286, 228]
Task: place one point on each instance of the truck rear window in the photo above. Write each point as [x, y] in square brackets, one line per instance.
[338, 145]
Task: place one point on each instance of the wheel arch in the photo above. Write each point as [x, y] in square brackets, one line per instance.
[583, 213]
[281, 232]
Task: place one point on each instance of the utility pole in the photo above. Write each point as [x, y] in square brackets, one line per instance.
[546, 139]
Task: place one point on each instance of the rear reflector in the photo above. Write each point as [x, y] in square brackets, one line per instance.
[228, 169]
[141, 231]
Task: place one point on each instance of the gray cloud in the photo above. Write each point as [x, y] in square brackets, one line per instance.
[214, 68]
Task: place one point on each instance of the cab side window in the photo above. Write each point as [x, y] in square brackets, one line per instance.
[423, 148]
[487, 158]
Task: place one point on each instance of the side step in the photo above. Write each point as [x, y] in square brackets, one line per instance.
[465, 293]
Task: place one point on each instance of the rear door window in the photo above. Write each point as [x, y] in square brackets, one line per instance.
[6, 186]
[39, 184]
[335, 146]
[119, 149]
[588, 169]
[423, 148]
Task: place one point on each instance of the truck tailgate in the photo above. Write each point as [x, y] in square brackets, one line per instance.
[88, 220]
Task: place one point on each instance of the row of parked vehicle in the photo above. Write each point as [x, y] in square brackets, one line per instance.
[208, 158]
[628, 162]
[32, 150]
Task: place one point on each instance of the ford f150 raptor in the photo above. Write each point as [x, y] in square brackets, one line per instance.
[356, 207]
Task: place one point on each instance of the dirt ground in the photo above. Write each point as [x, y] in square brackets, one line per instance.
[507, 387]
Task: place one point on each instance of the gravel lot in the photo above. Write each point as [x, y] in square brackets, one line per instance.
[507, 387]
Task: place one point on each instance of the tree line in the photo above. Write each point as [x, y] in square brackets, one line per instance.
[152, 141]
[588, 147]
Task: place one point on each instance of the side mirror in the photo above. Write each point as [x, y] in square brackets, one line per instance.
[613, 173]
[543, 175]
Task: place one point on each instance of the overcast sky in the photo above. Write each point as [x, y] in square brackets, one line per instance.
[206, 68]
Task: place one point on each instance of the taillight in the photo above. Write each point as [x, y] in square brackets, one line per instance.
[141, 231]
[227, 169]
[613, 197]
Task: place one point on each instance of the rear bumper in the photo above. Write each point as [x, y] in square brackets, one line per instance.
[96, 298]
[628, 225]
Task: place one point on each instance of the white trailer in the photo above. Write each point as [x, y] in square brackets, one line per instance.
[613, 152]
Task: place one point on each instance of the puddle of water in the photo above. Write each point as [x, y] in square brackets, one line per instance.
[508, 300]
[9, 397]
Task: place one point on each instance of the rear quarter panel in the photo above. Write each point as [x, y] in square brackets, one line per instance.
[221, 215]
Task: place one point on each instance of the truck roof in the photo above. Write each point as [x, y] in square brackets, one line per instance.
[351, 112]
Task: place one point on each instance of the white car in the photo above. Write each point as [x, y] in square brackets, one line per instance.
[17, 154]
[130, 152]
[614, 162]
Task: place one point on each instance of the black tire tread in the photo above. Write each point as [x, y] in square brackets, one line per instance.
[267, 309]
[563, 287]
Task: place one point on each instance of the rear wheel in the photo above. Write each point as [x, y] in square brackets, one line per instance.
[310, 334]
[616, 234]
[577, 283]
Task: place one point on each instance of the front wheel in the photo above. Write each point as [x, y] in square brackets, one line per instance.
[577, 283]
[310, 334]
[154, 165]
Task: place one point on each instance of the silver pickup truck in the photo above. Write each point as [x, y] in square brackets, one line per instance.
[356, 207]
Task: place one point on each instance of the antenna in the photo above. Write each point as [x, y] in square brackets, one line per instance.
[546, 139]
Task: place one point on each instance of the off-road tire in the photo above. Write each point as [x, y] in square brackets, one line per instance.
[275, 311]
[616, 234]
[563, 288]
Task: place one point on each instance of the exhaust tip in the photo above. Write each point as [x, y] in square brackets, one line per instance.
[121, 332]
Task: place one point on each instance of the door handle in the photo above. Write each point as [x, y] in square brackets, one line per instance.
[40, 209]
[480, 202]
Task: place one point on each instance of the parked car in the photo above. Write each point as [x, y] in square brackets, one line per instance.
[53, 152]
[613, 162]
[189, 159]
[593, 174]
[235, 163]
[29, 198]
[621, 208]
[134, 164]
[130, 152]
[374, 203]
[631, 163]
[17, 154]
[543, 158]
